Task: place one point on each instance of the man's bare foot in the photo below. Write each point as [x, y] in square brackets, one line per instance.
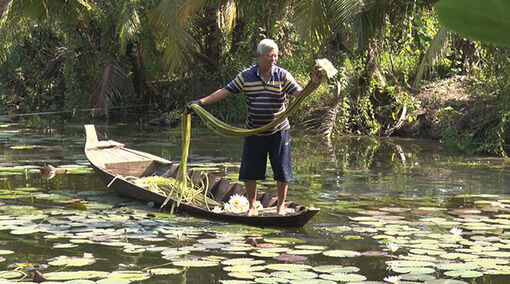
[280, 210]
[252, 212]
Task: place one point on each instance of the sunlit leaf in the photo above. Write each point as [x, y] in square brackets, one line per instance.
[294, 275]
[486, 21]
[288, 267]
[344, 277]
[71, 261]
[69, 275]
[341, 253]
[195, 263]
[10, 274]
[464, 273]
[335, 269]
[242, 261]
[128, 275]
[164, 271]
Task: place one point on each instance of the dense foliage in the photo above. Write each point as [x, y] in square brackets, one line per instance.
[78, 54]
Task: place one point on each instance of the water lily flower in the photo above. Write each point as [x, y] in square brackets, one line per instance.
[244, 208]
[392, 247]
[327, 67]
[238, 200]
[392, 279]
[229, 208]
[217, 209]
[456, 232]
[258, 205]
[177, 234]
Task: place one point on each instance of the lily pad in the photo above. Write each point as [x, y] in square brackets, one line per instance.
[70, 275]
[242, 261]
[6, 251]
[288, 267]
[464, 273]
[244, 268]
[335, 269]
[10, 274]
[344, 277]
[284, 241]
[129, 275]
[341, 253]
[195, 263]
[164, 271]
[292, 275]
[458, 266]
[71, 261]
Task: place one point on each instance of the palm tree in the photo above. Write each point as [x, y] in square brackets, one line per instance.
[108, 33]
[195, 31]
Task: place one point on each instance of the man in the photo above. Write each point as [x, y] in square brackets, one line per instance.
[266, 87]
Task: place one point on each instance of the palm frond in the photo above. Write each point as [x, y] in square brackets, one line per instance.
[189, 9]
[178, 49]
[112, 82]
[229, 14]
[5, 8]
[360, 18]
[173, 25]
[343, 13]
[437, 47]
[128, 24]
[311, 20]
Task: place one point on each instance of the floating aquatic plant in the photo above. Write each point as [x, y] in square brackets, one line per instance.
[392, 247]
[456, 232]
[392, 279]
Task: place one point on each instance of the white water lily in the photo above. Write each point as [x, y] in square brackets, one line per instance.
[258, 205]
[327, 66]
[217, 209]
[392, 247]
[456, 232]
[229, 208]
[392, 279]
[238, 200]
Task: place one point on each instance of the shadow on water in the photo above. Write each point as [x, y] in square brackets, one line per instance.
[389, 207]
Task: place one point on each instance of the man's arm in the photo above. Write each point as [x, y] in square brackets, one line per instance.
[315, 81]
[216, 96]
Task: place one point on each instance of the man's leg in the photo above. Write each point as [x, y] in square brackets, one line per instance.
[282, 195]
[251, 192]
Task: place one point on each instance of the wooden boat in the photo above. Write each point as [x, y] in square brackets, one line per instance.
[112, 161]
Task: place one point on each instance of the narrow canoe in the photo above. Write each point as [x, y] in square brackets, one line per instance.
[112, 161]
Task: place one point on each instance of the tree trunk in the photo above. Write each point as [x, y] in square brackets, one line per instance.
[238, 32]
[212, 39]
[144, 91]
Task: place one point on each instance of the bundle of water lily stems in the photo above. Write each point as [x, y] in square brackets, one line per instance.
[183, 189]
[194, 193]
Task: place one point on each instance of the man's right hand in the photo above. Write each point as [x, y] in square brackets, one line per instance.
[198, 102]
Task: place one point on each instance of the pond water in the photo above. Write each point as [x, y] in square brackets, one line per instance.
[391, 210]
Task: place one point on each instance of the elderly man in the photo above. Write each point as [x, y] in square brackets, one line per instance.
[266, 87]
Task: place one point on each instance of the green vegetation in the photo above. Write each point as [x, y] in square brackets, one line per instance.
[107, 54]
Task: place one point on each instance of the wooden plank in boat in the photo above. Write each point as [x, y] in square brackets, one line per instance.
[168, 171]
[238, 189]
[268, 200]
[132, 168]
[214, 182]
[223, 190]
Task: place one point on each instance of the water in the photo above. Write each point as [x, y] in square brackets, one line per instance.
[371, 191]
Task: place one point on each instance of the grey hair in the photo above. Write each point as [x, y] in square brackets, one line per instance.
[266, 45]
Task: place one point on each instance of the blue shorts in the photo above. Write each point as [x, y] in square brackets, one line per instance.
[255, 152]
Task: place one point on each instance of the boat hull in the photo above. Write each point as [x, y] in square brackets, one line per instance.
[110, 173]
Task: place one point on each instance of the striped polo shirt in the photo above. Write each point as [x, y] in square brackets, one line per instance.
[264, 100]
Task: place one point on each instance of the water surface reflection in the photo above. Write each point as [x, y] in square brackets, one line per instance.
[371, 191]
